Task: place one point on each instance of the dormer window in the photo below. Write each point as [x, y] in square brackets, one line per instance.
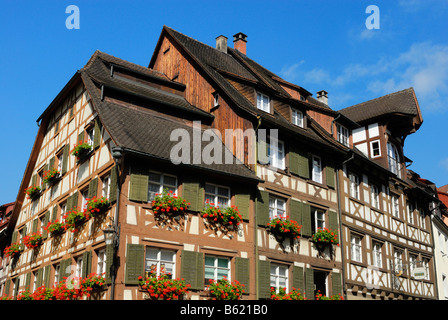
[263, 102]
[393, 159]
[343, 135]
[297, 118]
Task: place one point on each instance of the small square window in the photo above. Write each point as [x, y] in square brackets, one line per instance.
[375, 149]
[263, 102]
[297, 118]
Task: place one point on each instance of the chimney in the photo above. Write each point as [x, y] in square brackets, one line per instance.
[239, 42]
[322, 96]
[221, 43]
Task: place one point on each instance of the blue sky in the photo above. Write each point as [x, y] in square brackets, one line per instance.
[315, 44]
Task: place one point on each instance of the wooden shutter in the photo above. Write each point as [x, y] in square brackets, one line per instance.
[306, 219]
[262, 151]
[44, 184]
[192, 269]
[97, 135]
[138, 189]
[34, 180]
[93, 186]
[51, 163]
[242, 201]
[72, 201]
[8, 284]
[294, 211]
[336, 283]
[54, 213]
[87, 263]
[309, 284]
[47, 271]
[333, 221]
[303, 165]
[262, 208]
[264, 279]
[45, 221]
[81, 137]
[65, 267]
[110, 261]
[65, 159]
[34, 227]
[39, 276]
[113, 184]
[294, 161]
[194, 194]
[14, 237]
[27, 281]
[135, 267]
[330, 176]
[242, 272]
[297, 278]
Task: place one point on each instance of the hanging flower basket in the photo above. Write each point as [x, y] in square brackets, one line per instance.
[93, 282]
[55, 228]
[320, 296]
[96, 206]
[51, 176]
[162, 287]
[13, 250]
[33, 240]
[325, 237]
[74, 219]
[81, 150]
[167, 202]
[32, 192]
[282, 228]
[227, 217]
[225, 290]
[295, 294]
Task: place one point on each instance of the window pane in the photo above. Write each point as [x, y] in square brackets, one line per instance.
[154, 177]
[223, 273]
[223, 263]
[209, 273]
[209, 261]
[223, 192]
[167, 255]
[168, 180]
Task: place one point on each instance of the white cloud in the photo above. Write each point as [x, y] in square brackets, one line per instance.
[318, 76]
[444, 164]
[289, 73]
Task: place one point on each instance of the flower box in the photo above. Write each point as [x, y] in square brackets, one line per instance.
[74, 219]
[325, 237]
[33, 240]
[223, 289]
[13, 250]
[167, 202]
[295, 294]
[33, 192]
[228, 217]
[55, 228]
[93, 282]
[95, 206]
[282, 228]
[51, 176]
[162, 287]
[81, 150]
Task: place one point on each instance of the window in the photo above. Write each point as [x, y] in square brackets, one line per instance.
[316, 172]
[263, 102]
[375, 149]
[60, 158]
[57, 273]
[356, 249]
[160, 261]
[279, 277]
[34, 281]
[85, 196]
[374, 194]
[277, 208]
[445, 285]
[276, 153]
[393, 157]
[425, 264]
[317, 219]
[398, 261]
[79, 263]
[159, 182]
[90, 136]
[411, 212]
[354, 186]
[377, 257]
[320, 282]
[63, 212]
[412, 263]
[216, 268]
[101, 262]
[218, 195]
[343, 134]
[395, 207]
[422, 218]
[297, 118]
[105, 186]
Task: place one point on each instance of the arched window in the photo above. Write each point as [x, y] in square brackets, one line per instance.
[394, 159]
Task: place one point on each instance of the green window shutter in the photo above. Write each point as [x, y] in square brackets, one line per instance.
[34, 180]
[72, 201]
[242, 201]
[23, 232]
[330, 176]
[44, 185]
[262, 208]
[27, 281]
[65, 267]
[39, 276]
[336, 283]
[7, 286]
[47, 271]
[294, 161]
[65, 159]
[97, 135]
[297, 278]
[294, 211]
[113, 185]
[333, 221]
[309, 284]
[93, 186]
[34, 228]
[51, 163]
[54, 214]
[110, 261]
[306, 219]
[87, 263]
[190, 193]
[192, 269]
[45, 221]
[135, 267]
[81, 137]
[242, 272]
[14, 237]
[264, 279]
[262, 151]
[138, 189]
[303, 166]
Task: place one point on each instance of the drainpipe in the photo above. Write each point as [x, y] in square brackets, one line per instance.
[341, 237]
[332, 122]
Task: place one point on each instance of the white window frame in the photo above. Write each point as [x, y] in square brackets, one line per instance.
[214, 196]
[354, 185]
[160, 185]
[375, 196]
[410, 212]
[217, 268]
[101, 262]
[159, 262]
[356, 248]
[105, 186]
[85, 196]
[79, 264]
[316, 170]
[276, 276]
[377, 257]
[276, 153]
[422, 218]
[297, 118]
[277, 207]
[372, 155]
[395, 206]
[318, 215]
[398, 260]
[91, 136]
[393, 159]
[261, 104]
[57, 273]
[343, 134]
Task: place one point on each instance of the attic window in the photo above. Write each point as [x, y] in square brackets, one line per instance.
[343, 134]
[297, 118]
[263, 102]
